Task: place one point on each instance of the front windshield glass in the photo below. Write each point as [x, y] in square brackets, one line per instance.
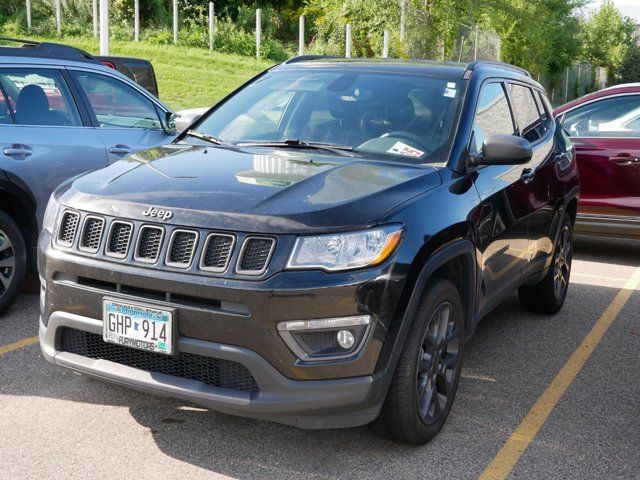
[405, 117]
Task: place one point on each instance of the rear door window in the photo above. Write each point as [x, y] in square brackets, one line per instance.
[527, 113]
[493, 115]
[115, 104]
[38, 97]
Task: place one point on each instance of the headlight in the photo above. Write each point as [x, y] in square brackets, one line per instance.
[50, 214]
[344, 251]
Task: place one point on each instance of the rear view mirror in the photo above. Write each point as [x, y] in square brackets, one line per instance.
[500, 149]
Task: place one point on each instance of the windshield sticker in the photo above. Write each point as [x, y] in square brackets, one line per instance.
[450, 92]
[403, 149]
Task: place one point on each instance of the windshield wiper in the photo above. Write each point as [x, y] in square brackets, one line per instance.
[329, 147]
[206, 137]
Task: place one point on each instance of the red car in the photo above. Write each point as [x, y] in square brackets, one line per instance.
[605, 129]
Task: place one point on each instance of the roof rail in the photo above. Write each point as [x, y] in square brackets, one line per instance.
[481, 63]
[24, 43]
[304, 58]
[29, 48]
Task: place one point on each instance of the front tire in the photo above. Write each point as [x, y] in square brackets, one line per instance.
[13, 261]
[428, 371]
[549, 294]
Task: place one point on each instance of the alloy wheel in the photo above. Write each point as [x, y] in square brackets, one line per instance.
[7, 262]
[562, 263]
[437, 363]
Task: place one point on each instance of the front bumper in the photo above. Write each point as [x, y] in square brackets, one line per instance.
[306, 404]
[235, 321]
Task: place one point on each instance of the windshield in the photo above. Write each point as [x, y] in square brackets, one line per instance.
[406, 117]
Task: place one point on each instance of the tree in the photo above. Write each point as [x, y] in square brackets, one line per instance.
[630, 68]
[541, 36]
[607, 36]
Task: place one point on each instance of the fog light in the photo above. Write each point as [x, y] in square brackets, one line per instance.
[345, 339]
[326, 338]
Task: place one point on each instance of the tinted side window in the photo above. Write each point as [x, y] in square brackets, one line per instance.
[546, 110]
[609, 117]
[492, 114]
[527, 113]
[5, 114]
[39, 97]
[115, 104]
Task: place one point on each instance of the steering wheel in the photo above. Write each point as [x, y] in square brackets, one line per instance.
[411, 137]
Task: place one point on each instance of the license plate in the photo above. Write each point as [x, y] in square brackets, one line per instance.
[137, 326]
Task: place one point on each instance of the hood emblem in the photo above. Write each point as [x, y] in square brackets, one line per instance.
[160, 214]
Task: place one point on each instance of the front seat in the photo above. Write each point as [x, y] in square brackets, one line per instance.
[32, 108]
[400, 114]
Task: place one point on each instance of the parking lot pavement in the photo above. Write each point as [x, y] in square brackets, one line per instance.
[55, 424]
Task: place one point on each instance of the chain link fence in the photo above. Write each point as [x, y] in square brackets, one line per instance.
[426, 38]
[573, 82]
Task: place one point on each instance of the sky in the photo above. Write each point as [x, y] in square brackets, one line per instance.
[596, 3]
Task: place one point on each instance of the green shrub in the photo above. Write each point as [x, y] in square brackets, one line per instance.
[630, 68]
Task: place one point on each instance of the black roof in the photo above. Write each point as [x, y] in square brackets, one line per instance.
[29, 48]
[463, 69]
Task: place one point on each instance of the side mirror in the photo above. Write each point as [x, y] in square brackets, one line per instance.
[187, 117]
[501, 149]
[170, 123]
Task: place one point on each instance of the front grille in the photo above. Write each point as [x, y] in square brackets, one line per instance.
[256, 252]
[92, 234]
[149, 244]
[119, 239]
[217, 252]
[212, 371]
[165, 246]
[68, 228]
[181, 249]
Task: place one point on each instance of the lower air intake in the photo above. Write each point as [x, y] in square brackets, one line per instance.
[212, 371]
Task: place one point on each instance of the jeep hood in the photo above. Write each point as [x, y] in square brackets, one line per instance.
[251, 189]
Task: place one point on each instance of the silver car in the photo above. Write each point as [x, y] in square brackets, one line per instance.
[62, 113]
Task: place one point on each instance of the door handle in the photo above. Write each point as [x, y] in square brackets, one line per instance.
[624, 159]
[527, 175]
[17, 151]
[120, 149]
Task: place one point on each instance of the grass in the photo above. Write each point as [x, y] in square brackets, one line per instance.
[187, 77]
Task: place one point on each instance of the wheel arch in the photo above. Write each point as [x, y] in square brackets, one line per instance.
[445, 255]
[18, 205]
[572, 209]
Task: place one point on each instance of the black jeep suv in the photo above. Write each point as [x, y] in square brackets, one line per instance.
[317, 248]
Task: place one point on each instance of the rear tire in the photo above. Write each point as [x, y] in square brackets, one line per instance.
[549, 294]
[428, 371]
[13, 261]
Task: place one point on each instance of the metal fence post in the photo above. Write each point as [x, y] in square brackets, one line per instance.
[347, 52]
[212, 24]
[95, 18]
[59, 17]
[403, 8]
[28, 14]
[175, 21]
[385, 44]
[136, 20]
[104, 27]
[579, 80]
[475, 44]
[301, 35]
[566, 87]
[258, 31]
